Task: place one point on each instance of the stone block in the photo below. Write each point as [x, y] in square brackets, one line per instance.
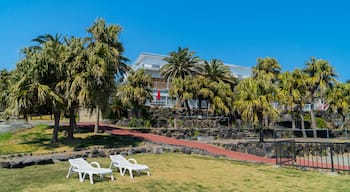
[4, 164]
[16, 164]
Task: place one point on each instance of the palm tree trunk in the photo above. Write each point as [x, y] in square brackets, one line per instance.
[56, 127]
[25, 116]
[261, 119]
[188, 107]
[72, 123]
[208, 106]
[343, 123]
[313, 122]
[261, 135]
[199, 106]
[139, 112]
[97, 123]
[293, 122]
[266, 120]
[302, 125]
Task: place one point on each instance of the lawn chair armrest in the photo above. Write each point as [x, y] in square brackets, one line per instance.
[132, 160]
[95, 163]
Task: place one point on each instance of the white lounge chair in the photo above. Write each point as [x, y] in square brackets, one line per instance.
[130, 164]
[84, 168]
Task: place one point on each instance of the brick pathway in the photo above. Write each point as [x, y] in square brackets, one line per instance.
[194, 144]
[217, 150]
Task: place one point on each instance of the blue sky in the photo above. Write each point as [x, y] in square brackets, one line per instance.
[235, 31]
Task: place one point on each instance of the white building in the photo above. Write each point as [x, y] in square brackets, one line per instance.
[152, 63]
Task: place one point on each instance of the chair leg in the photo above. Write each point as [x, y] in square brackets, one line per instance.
[112, 177]
[81, 177]
[110, 166]
[69, 171]
[130, 172]
[148, 173]
[91, 178]
[122, 172]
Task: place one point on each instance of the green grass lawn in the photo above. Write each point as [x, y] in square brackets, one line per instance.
[169, 172]
[37, 140]
[176, 172]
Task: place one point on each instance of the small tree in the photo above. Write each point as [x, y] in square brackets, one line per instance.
[136, 90]
[320, 76]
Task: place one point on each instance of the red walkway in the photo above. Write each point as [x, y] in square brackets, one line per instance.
[193, 144]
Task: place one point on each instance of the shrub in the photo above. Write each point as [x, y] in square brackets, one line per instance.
[196, 133]
[147, 123]
[179, 122]
[321, 123]
[171, 122]
[307, 117]
[134, 122]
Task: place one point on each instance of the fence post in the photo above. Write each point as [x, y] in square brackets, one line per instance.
[346, 133]
[331, 151]
[294, 152]
[276, 151]
[327, 133]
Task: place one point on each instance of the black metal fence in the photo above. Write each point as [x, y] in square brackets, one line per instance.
[318, 155]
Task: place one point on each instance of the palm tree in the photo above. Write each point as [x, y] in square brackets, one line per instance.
[217, 94]
[338, 99]
[254, 96]
[300, 84]
[320, 76]
[182, 90]
[180, 64]
[222, 97]
[201, 91]
[74, 62]
[105, 63]
[5, 82]
[267, 68]
[266, 74]
[218, 73]
[52, 57]
[118, 109]
[215, 70]
[288, 94]
[252, 103]
[33, 85]
[136, 90]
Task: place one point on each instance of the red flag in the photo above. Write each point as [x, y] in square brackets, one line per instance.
[158, 95]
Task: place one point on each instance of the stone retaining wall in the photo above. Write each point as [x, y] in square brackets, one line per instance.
[23, 160]
[266, 149]
[216, 133]
[235, 133]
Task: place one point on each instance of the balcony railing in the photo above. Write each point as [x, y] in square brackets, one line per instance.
[147, 66]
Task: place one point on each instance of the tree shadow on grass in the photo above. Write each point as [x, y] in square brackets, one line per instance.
[42, 139]
[106, 141]
[34, 138]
